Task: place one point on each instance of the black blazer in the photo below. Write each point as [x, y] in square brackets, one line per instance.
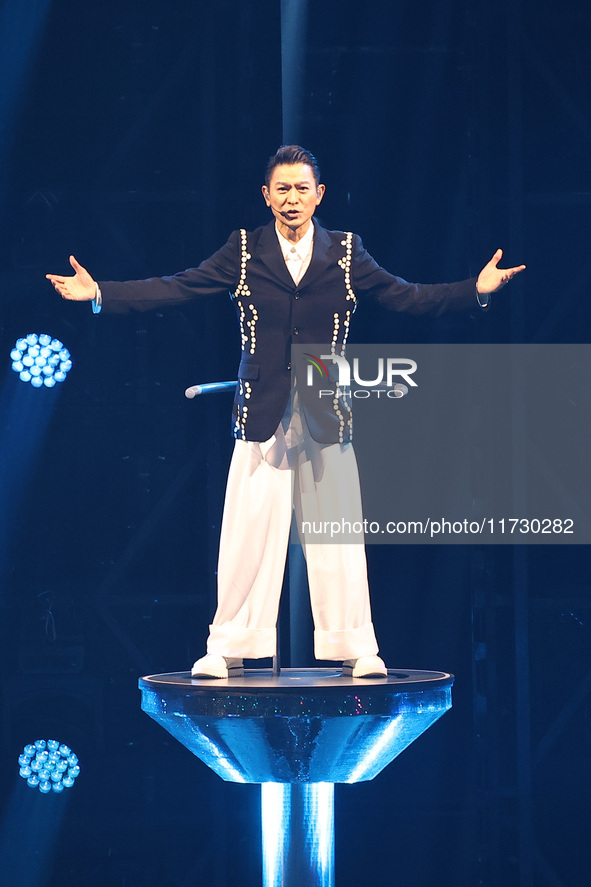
[274, 313]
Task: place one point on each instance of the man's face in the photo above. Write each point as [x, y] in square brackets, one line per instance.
[293, 196]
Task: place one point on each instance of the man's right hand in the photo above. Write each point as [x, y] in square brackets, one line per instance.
[79, 288]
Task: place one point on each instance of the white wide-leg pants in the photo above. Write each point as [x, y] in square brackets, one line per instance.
[265, 482]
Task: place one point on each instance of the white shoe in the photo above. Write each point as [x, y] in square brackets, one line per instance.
[214, 666]
[365, 667]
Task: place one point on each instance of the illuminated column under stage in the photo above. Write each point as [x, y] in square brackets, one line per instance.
[298, 833]
[297, 734]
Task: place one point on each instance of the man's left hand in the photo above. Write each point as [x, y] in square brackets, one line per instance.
[493, 278]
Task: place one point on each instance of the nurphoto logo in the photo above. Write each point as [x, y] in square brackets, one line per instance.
[390, 371]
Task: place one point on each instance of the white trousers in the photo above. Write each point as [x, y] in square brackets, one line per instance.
[265, 482]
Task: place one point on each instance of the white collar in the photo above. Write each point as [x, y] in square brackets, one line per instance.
[299, 250]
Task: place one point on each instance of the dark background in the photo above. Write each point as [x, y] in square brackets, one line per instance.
[134, 135]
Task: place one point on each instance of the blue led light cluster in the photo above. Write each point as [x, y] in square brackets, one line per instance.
[48, 766]
[40, 360]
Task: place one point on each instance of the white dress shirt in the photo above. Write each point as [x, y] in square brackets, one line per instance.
[297, 255]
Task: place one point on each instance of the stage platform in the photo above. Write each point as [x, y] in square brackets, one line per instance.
[304, 725]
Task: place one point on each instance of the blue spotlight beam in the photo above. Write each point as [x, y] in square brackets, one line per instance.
[21, 28]
[39, 362]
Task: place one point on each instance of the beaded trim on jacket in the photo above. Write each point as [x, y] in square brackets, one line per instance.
[248, 328]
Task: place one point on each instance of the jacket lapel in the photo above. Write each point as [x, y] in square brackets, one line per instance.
[270, 253]
[321, 257]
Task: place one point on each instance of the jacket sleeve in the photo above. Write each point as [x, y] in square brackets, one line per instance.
[218, 274]
[400, 295]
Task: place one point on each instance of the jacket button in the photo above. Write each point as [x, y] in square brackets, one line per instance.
[288, 366]
[296, 331]
[296, 295]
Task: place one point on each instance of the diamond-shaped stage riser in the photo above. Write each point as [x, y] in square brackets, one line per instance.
[345, 733]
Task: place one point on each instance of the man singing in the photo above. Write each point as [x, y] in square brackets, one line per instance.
[292, 282]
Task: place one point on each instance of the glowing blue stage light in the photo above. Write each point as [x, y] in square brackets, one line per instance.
[48, 766]
[40, 360]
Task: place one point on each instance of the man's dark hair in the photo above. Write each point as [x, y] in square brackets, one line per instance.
[290, 154]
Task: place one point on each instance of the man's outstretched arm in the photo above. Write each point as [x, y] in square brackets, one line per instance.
[218, 274]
